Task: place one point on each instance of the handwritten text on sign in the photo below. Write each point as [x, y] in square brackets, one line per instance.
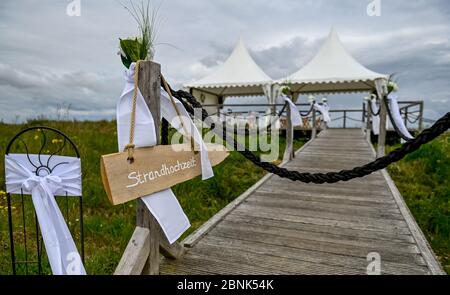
[139, 178]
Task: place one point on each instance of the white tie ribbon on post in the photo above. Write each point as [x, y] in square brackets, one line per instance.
[324, 110]
[375, 118]
[63, 179]
[296, 118]
[396, 116]
[163, 205]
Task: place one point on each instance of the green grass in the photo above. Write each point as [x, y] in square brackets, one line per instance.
[108, 228]
[423, 179]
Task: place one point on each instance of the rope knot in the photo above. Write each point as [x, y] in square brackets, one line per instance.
[130, 148]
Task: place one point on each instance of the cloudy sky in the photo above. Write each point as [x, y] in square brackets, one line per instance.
[49, 59]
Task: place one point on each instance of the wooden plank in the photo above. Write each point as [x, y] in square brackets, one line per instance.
[373, 221]
[318, 220]
[302, 255]
[346, 232]
[330, 238]
[135, 256]
[329, 198]
[365, 210]
[337, 189]
[324, 247]
[269, 262]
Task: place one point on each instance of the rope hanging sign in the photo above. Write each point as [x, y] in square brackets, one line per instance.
[138, 172]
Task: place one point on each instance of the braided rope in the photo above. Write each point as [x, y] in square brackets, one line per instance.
[307, 113]
[441, 125]
[371, 110]
[130, 146]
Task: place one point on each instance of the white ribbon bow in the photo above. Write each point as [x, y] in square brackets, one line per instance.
[61, 249]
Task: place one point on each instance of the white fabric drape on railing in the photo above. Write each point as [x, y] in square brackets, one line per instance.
[324, 109]
[396, 115]
[375, 119]
[296, 118]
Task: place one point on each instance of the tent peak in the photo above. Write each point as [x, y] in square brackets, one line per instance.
[238, 70]
[333, 64]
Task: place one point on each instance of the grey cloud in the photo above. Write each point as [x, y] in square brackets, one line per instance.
[48, 58]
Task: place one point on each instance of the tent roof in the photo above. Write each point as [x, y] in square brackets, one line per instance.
[238, 75]
[333, 69]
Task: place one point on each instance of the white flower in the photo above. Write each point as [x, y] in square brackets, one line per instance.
[393, 85]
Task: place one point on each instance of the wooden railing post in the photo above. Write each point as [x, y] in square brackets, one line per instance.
[289, 150]
[421, 116]
[150, 87]
[345, 119]
[368, 123]
[363, 117]
[382, 135]
[406, 117]
[314, 128]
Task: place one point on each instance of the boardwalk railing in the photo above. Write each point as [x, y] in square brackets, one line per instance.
[143, 252]
[411, 111]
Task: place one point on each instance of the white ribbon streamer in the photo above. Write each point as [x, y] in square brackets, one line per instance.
[324, 109]
[375, 118]
[396, 116]
[296, 118]
[169, 112]
[163, 205]
[64, 178]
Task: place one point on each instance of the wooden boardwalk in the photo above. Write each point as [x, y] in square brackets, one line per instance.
[284, 227]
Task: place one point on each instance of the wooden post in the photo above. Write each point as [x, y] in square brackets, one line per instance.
[406, 117]
[289, 150]
[150, 87]
[314, 129]
[368, 123]
[421, 117]
[345, 119]
[363, 119]
[382, 135]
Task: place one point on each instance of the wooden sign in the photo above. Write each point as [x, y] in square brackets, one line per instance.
[154, 169]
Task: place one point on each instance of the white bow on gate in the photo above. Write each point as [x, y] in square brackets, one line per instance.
[65, 178]
[163, 205]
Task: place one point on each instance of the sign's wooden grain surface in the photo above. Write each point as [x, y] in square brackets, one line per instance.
[154, 169]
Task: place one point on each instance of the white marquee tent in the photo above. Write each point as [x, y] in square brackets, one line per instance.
[239, 75]
[333, 70]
